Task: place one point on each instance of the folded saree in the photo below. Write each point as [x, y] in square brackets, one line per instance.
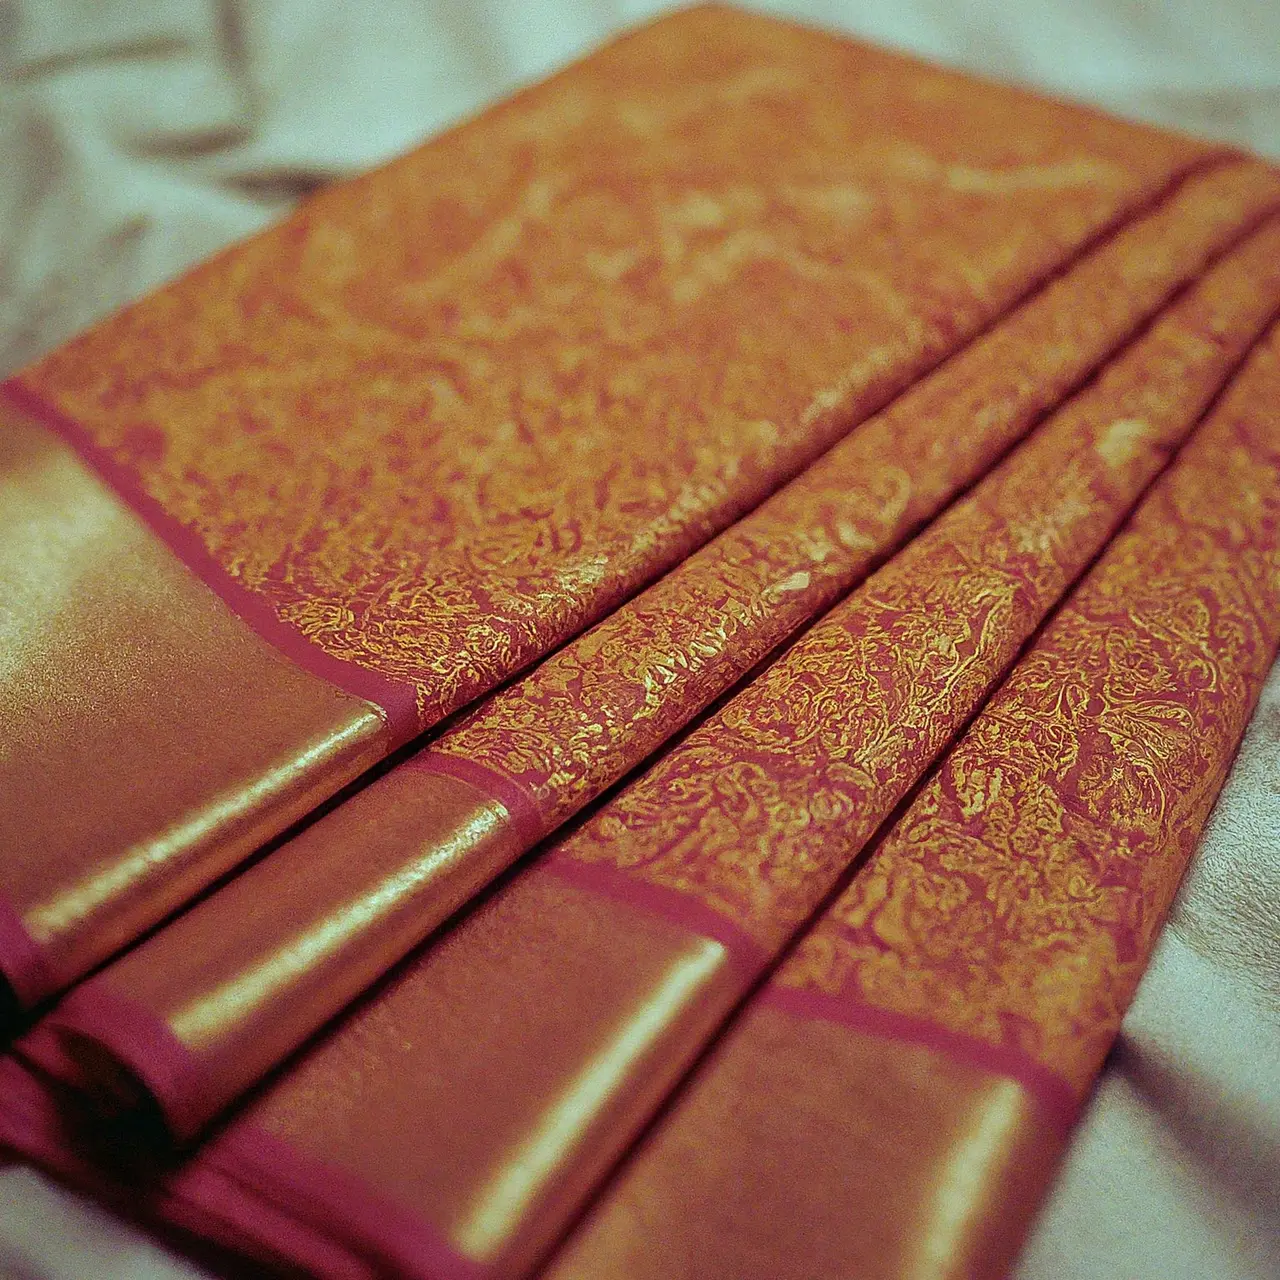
[895, 1100]
[298, 506]
[455, 1120]
[207, 1006]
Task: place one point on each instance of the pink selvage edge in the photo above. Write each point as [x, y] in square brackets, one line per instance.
[21, 960]
[134, 1037]
[1058, 1101]
[244, 1189]
[1051, 1092]
[396, 699]
[683, 910]
[521, 809]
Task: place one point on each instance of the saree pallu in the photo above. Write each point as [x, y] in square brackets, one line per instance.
[343, 479]
[894, 1101]
[454, 1122]
[216, 999]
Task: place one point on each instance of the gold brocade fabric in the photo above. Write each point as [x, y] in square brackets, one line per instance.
[795, 773]
[984, 957]
[1019, 899]
[599, 706]
[244, 978]
[487, 1087]
[450, 412]
[830, 505]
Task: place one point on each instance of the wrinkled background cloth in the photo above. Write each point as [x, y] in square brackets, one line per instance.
[137, 136]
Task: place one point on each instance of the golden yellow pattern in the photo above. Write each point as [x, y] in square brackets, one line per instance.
[450, 413]
[760, 808]
[411, 848]
[594, 710]
[1019, 898]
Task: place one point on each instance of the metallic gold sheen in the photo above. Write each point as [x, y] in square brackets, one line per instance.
[425, 843]
[148, 739]
[499, 1206]
[808, 1149]
[583, 718]
[515, 1113]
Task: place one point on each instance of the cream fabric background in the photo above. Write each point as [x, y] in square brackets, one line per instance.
[139, 135]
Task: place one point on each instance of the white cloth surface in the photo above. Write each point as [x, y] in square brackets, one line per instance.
[137, 136]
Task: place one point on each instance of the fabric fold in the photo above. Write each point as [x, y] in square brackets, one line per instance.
[481, 1093]
[345, 478]
[894, 1100]
[243, 979]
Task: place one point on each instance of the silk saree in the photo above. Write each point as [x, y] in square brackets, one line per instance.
[789, 483]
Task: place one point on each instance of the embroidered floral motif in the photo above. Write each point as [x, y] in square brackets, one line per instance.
[450, 413]
[1019, 898]
[597, 708]
[760, 808]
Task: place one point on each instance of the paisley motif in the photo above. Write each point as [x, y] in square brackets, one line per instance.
[1019, 898]
[760, 808]
[453, 411]
[595, 709]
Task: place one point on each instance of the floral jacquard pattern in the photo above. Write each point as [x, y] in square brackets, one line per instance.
[594, 710]
[760, 808]
[450, 413]
[1019, 898]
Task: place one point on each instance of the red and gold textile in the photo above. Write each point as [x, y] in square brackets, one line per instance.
[895, 1100]
[463, 1111]
[452, 412]
[245, 977]
[751, 466]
